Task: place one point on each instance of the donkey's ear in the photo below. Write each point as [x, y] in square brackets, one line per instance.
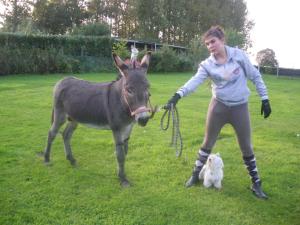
[146, 60]
[120, 64]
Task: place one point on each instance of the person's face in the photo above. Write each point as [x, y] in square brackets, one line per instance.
[214, 44]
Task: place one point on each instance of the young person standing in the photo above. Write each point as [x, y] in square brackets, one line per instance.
[228, 68]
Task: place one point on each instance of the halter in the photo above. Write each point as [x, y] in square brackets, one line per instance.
[138, 110]
[142, 108]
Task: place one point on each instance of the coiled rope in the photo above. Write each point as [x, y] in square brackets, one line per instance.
[176, 139]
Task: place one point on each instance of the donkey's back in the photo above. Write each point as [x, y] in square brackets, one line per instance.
[81, 101]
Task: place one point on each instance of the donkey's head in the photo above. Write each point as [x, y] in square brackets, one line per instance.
[135, 88]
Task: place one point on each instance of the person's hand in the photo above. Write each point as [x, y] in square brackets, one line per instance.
[173, 101]
[265, 108]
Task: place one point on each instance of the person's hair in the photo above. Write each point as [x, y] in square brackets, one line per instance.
[214, 31]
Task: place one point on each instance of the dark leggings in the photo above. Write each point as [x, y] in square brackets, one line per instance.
[238, 116]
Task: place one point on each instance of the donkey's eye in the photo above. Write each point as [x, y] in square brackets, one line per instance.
[130, 90]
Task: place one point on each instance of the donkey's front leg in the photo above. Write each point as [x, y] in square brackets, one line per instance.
[120, 153]
[121, 139]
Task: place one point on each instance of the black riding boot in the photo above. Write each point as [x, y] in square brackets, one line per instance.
[194, 179]
[250, 163]
[201, 160]
[257, 191]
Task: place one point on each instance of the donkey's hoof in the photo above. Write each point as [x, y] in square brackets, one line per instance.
[46, 160]
[47, 163]
[40, 154]
[73, 162]
[125, 184]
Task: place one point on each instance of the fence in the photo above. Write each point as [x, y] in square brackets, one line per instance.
[279, 71]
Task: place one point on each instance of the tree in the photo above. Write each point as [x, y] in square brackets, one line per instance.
[15, 13]
[197, 52]
[266, 57]
[92, 29]
[96, 10]
[56, 16]
[175, 22]
[150, 19]
[180, 21]
[119, 14]
[234, 38]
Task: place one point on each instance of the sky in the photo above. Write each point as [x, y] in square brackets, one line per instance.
[277, 26]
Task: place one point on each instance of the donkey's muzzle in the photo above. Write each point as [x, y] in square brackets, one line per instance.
[143, 114]
[142, 121]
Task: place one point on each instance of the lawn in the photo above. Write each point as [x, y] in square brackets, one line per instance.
[33, 193]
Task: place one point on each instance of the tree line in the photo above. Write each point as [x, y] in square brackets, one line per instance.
[176, 22]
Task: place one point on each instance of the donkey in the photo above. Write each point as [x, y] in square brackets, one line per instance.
[115, 105]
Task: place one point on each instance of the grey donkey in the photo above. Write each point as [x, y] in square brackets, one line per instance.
[115, 105]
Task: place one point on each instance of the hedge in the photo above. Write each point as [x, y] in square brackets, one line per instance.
[54, 53]
[20, 54]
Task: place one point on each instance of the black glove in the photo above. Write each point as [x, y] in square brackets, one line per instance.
[173, 101]
[265, 108]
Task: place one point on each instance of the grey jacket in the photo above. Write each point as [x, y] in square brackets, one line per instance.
[229, 80]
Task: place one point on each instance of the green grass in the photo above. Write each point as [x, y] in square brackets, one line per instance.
[32, 193]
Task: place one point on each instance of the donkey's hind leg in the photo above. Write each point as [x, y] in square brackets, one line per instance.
[59, 118]
[67, 135]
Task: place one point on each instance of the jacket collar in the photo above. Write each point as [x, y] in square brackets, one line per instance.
[228, 52]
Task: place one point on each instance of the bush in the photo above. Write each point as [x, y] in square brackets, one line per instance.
[16, 61]
[95, 64]
[66, 54]
[184, 63]
[167, 60]
[53, 54]
[197, 52]
[120, 48]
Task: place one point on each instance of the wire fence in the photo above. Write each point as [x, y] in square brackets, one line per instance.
[279, 71]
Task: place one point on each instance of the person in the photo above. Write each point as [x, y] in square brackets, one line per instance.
[228, 68]
[134, 53]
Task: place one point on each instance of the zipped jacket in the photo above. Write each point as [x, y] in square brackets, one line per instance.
[229, 80]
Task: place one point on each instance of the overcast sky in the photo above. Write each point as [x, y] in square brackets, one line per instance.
[277, 26]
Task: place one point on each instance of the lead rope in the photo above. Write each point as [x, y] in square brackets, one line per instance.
[176, 135]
